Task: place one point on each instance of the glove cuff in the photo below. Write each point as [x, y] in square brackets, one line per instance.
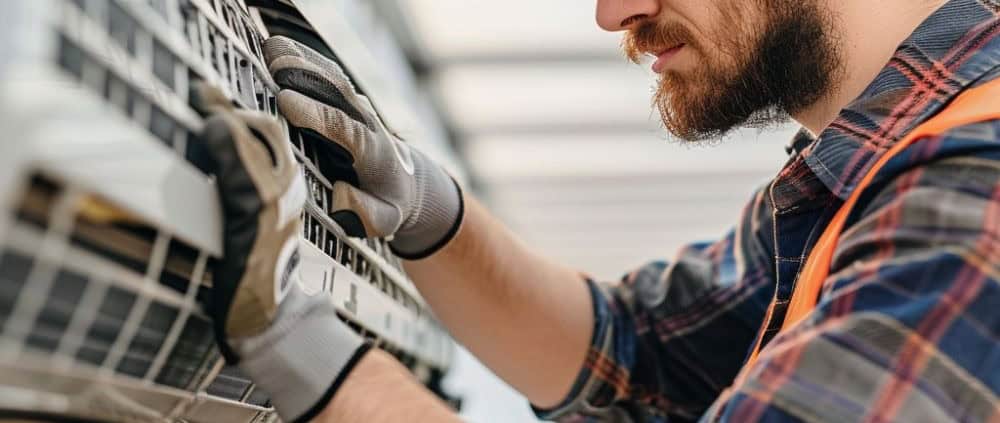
[428, 237]
[437, 219]
[303, 357]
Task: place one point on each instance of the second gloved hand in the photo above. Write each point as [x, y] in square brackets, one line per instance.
[384, 186]
[290, 343]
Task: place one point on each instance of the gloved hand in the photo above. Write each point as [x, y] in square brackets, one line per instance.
[291, 344]
[384, 187]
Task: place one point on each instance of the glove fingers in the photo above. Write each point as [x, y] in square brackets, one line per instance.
[328, 122]
[297, 67]
[362, 215]
[287, 179]
[255, 158]
[270, 132]
[280, 46]
[243, 164]
[209, 99]
[259, 209]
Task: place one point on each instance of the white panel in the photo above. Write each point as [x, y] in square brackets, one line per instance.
[116, 158]
[371, 308]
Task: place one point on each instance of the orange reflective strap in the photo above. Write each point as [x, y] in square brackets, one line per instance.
[974, 105]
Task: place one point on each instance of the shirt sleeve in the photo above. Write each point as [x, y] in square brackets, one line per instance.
[908, 325]
[669, 337]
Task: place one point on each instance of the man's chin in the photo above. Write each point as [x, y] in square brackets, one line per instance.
[693, 115]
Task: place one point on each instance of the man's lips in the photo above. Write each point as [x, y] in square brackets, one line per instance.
[664, 56]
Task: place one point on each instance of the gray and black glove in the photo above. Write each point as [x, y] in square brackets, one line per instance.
[383, 187]
[291, 344]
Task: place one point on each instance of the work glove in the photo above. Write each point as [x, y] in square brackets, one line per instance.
[291, 344]
[382, 186]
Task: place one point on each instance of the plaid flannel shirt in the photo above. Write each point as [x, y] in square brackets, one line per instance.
[908, 324]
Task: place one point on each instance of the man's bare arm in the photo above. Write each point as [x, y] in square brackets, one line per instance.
[527, 318]
[379, 389]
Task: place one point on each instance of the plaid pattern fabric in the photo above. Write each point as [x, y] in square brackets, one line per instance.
[908, 324]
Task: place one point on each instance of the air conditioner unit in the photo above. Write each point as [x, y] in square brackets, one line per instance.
[109, 225]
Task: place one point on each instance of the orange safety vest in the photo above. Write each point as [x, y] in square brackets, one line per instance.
[974, 105]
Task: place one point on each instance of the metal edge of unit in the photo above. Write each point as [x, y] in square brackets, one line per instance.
[41, 387]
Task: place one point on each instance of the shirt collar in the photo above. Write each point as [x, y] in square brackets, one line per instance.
[955, 47]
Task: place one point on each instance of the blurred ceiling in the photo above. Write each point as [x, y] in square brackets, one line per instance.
[557, 129]
[515, 30]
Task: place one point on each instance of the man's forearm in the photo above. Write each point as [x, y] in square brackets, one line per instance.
[379, 389]
[527, 318]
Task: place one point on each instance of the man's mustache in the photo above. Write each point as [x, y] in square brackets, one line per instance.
[652, 36]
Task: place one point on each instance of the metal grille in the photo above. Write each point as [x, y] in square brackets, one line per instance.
[100, 303]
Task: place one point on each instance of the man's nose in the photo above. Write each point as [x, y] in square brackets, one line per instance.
[618, 15]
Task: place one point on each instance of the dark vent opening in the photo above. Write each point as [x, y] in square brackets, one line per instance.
[109, 320]
[14, 269]
[192, 356]
[37, 201]
[122, 27]
[150, 335]
[50, 326]
[164, 63]
[230, 384]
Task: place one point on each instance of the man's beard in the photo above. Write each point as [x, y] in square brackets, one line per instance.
[782, 66]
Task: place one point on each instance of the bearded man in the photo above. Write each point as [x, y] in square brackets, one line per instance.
[862, 283]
